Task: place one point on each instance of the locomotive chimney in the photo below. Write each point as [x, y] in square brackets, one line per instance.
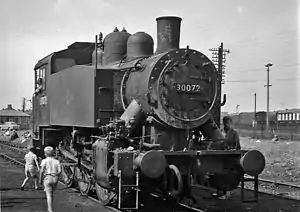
[168, 33]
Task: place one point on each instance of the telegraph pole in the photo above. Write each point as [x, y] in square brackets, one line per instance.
[254, 118]
[219, 59]
[268, 95]
[23, 104]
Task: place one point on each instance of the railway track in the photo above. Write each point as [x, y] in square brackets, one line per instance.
[21, 150]
[277, 188]
[275, 182]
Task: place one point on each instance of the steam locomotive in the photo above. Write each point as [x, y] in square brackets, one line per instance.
[125, 120]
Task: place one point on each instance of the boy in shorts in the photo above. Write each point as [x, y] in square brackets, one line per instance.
[30, 169]
[50, 170]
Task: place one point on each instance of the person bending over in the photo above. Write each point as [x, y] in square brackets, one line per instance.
[232, 139]
[50, 170]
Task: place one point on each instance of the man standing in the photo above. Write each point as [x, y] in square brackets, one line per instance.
[232, 140]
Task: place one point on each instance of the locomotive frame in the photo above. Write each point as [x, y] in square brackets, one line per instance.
[122, 126]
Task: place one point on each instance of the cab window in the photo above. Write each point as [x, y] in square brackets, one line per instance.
[40, 79]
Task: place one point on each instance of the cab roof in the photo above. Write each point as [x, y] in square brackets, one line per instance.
[75, 45]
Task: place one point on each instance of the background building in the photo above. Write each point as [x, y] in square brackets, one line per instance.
[285, 123]
[11, 115]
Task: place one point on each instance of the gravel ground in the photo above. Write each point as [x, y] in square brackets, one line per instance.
[30, 200]
[233, 203]
[21, 140]
[280, 190]
[282, 158]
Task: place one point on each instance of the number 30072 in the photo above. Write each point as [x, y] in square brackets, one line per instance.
[187, 87]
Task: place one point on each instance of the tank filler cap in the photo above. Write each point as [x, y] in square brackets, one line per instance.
[253, 162]
[124, 30]
[116, 29]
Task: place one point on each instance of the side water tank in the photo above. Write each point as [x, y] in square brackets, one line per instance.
[139, 44]
[115, 47]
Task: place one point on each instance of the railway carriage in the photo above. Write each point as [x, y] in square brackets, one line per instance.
[127, 121]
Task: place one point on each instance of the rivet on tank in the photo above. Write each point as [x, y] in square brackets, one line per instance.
[115, 46]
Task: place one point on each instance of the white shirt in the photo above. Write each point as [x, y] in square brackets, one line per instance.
[30, 158]
[51, 166]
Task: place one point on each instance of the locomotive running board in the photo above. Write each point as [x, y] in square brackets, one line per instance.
[207, 152]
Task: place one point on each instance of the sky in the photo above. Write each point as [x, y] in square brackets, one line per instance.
[255, 32]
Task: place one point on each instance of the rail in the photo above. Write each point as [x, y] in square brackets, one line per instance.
[286, 191]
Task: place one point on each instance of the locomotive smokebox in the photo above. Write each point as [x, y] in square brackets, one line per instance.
[168, 33]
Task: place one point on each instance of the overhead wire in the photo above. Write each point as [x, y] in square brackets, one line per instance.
[261, 69]
[263, 80]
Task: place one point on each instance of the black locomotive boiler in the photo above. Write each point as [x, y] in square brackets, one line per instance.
[125, 120]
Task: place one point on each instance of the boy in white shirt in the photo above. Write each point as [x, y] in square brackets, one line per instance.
[50, 170]
[30, 169]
